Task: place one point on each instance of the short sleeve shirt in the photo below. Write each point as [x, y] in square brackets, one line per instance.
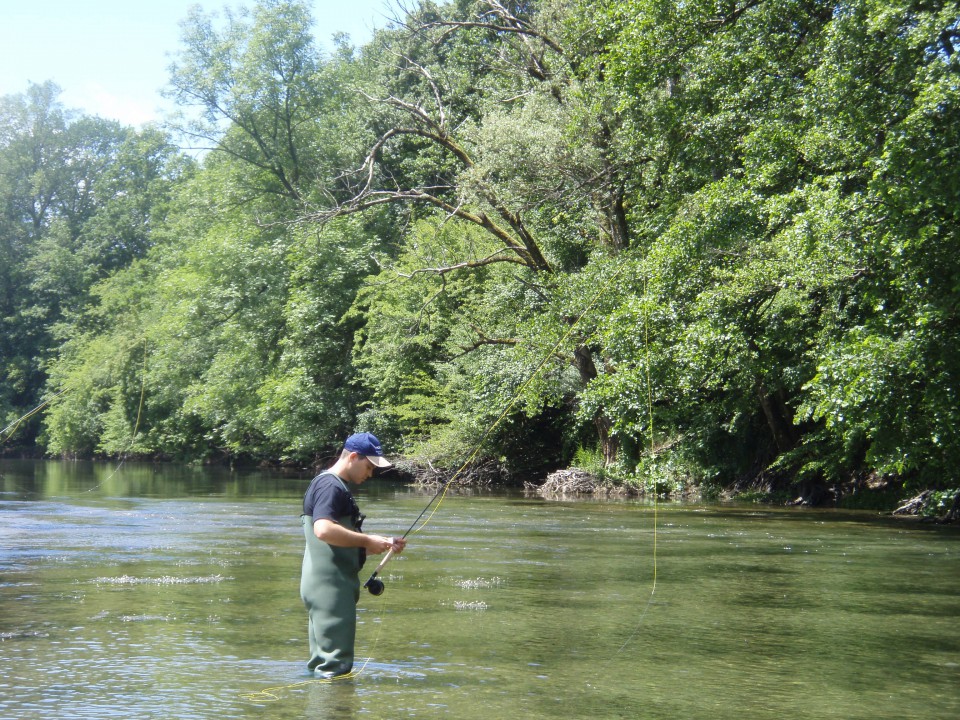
[328, 498]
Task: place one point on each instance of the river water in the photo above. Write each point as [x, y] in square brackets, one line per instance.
[169, 592]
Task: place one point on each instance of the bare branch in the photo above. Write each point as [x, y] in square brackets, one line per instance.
[537, 289]
[483, 341]
[506, 225]
[503, 21]
[366, 197]
[733, 15]
[433, 85]
[415, 328]
[527, 30]
[496, 257]
[375, 198]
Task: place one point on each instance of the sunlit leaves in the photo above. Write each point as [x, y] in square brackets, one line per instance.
[747, 216]
[802, 274]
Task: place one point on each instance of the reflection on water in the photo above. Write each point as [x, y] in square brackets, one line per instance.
[159, 591]
[73, 478]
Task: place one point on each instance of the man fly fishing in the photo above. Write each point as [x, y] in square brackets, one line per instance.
[336, 548]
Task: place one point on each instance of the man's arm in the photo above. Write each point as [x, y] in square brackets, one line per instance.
[337, 535]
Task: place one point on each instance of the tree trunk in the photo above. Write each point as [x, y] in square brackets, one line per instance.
[609, 445]
[775, 413]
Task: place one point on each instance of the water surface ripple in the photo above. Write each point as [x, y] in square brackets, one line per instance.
[164, 592]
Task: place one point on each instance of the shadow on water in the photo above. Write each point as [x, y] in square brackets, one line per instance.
[166, 591]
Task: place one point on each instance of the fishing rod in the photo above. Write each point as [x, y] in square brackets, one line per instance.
[374, 584]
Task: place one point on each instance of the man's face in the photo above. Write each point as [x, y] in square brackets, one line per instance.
[364, 468]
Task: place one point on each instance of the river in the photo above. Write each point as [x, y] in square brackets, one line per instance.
[160, 591]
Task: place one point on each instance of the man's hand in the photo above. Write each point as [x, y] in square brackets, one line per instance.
[377, 544]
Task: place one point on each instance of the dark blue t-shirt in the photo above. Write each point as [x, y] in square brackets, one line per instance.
[327, 497]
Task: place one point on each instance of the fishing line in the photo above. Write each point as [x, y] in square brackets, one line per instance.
[12, 427]
[41, 406]
[15, 425]
[136, 426]
[656, 493]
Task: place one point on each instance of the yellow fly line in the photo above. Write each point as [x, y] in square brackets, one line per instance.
[14, 426]
[272, 694]
[656, 494]
[136, 425]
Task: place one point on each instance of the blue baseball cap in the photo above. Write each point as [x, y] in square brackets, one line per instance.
[367, 444]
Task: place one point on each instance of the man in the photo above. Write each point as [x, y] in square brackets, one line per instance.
[335, 550]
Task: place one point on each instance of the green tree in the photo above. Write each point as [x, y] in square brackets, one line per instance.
[239, 309]
[781, 321]
[80, 197]
[483, 138]
[252, 91]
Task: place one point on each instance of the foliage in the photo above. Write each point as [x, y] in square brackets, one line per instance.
[237, 316]
[693, 242]
[80, 199]
[791, 319]
[940, 502]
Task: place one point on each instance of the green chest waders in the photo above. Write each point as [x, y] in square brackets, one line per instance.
[330, 588]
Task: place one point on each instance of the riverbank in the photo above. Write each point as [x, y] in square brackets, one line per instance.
[886, 496]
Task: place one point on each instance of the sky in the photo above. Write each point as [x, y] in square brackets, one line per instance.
[110, 57]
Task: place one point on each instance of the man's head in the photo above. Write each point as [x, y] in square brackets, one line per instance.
[367, 444]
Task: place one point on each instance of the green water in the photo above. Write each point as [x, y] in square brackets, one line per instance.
[163, 592]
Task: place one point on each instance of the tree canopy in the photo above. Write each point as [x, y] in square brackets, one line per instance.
[681, 242]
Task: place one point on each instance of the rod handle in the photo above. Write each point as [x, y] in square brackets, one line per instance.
[379, 567]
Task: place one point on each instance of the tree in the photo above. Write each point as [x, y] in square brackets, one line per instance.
[80, 195]
[256, 87]
[771, 128]
[473, 122]
[239, 310]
